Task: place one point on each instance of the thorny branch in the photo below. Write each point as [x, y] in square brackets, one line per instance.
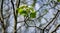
[15, 18]
[56, 28]
[51, 20]
[2, 18]
[15, 15]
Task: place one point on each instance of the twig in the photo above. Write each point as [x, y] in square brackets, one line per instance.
[36, 27]
[2, 19]
[51, 20]
[56, 28]
[15, 15]
[15, 18]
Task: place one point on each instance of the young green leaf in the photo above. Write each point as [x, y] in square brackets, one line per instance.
[27, 11]
[33, 14]
[58, 0]
[22, 12]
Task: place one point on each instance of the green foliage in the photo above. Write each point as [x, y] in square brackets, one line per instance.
[22, 12]
[33, 14]
[58, 0]
[27, 11]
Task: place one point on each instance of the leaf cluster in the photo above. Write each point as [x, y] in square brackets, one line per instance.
[26, 11]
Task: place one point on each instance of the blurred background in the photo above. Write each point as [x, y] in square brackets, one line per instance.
[47, 19]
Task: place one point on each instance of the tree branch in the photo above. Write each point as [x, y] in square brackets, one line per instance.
[15, 18]
[2, 19]
[15, 15]
[56, 28]
[51, 20]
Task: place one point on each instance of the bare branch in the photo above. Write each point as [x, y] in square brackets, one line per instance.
[2, 18]
[15, 18]
[15, 15]
[56, 28]
[51, 20]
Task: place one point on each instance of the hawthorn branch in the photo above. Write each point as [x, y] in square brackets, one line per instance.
[51, 20]
[17, 3]
[15, 18]
[2, 19]
[56, 28]
[15, 15]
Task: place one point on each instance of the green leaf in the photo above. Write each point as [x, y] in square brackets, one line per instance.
[22, 12]
[31, 9]
[26, 11]
[58, 0]
[33, 14]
